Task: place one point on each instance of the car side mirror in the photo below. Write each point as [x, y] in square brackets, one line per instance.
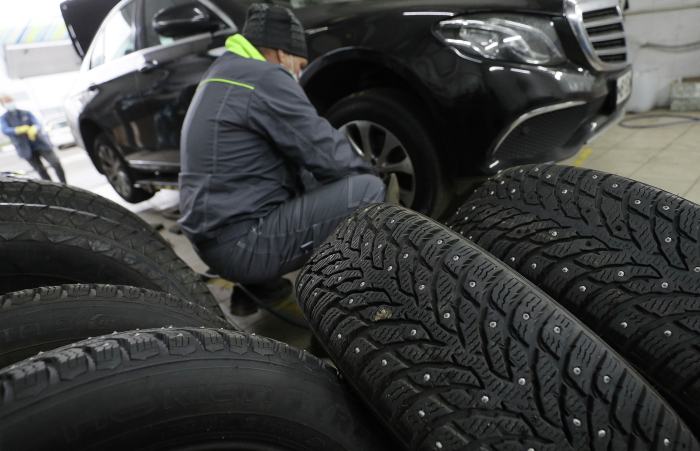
[183, 20]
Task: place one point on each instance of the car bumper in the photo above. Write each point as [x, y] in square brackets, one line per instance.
[580, 106]
[495, 115]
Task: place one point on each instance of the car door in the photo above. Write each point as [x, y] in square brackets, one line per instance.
[111, 81]
[167, 82]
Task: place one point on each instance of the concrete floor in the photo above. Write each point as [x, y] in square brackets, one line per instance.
[668, 158]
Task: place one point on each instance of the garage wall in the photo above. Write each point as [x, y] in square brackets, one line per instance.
[664, 46]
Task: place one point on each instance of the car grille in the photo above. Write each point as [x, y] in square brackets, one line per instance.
[607, 34]
[541, 134]
[600, 32]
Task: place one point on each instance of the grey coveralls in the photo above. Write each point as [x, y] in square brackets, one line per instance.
[248, 133]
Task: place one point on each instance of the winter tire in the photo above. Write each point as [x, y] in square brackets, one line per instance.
[53, 246]
[621, 255]
[390, 133]
[118, 172]
[454, 351]
[180, 388]
[18, 190]
[42, 319]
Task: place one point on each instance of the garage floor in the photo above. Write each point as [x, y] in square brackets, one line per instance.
[668, 158]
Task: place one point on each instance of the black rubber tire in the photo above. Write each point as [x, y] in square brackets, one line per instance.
[180, 388]
[393, 110]
[19, 190]
[608, 234]
[455, 351]
[42, 319]
[129, 193]
[46, 246]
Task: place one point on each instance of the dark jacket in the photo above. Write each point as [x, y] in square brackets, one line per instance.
[22, 143]
[248, 131]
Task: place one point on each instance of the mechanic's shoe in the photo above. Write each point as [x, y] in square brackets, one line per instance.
[392, 190]
[270, 293]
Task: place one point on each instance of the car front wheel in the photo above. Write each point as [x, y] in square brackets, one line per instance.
[391, 135]
[118, 173]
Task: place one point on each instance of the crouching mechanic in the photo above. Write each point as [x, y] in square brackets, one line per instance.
[249, 133]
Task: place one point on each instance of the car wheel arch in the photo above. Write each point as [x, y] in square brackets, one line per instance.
[89, 130]
[345, 72]
[348, 70]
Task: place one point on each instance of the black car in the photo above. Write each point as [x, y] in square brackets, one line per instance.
[431, 91]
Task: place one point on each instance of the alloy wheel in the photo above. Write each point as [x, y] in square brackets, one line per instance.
[113, 168]
[380, 148]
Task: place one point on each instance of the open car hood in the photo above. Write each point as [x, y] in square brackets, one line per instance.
[83, 18]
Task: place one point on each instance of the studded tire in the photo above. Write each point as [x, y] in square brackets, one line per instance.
[45, 246]
[42, 319]
[454, 351]
[621, 255]
[180, 388]
[19, 190]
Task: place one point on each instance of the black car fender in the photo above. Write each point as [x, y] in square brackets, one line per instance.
[342, 72]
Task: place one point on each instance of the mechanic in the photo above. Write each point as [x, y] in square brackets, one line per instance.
[249, 138]
[27, 136]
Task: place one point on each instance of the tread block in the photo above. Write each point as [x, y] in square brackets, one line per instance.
[140, 346]
[70, 363]
[26, 380]
[177, 342]
[106, 355]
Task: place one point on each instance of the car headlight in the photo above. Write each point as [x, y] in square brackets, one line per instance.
[508, 37]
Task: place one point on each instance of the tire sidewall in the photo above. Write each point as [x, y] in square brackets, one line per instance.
[257, 392]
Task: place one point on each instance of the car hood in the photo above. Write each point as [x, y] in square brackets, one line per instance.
[320, 15]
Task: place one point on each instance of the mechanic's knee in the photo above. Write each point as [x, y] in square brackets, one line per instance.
[367, 189]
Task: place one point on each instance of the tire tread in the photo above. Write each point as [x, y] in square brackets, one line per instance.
[414, 307]
[605, 225]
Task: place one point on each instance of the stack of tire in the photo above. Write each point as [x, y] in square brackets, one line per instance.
[580, 332]
[583, 336]
[109, 341]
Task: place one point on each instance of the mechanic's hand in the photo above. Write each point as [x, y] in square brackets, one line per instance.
[21, 130]
[32, 132]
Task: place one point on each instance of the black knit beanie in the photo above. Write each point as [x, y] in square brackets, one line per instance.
[275, 27]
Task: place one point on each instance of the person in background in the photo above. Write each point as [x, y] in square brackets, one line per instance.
[29, 140]
[249, 138]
